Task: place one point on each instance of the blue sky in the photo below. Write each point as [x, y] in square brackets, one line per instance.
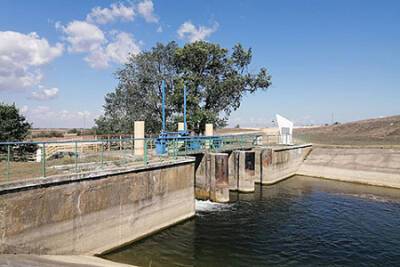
[325, 57]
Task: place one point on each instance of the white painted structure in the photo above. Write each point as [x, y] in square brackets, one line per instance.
[285, 130]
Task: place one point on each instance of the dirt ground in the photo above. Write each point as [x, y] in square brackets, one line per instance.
[372, 132]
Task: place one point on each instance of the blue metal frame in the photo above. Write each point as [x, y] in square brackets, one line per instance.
[161, 142]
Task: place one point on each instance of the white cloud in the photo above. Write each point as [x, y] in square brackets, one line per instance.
[106, 15]
[82, 36]
[116, 51]
[191, 33]
[21, 56]
[146, 9]
[97, 59]
[119, 50]
[159, 29]
[45, 94]
[103, 48]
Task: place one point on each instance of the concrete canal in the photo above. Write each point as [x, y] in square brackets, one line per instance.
[301, 221]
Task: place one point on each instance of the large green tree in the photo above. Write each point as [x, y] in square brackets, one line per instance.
[216, 80]
[13, 125]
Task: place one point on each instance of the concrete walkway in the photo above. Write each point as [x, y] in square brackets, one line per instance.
[24, 260]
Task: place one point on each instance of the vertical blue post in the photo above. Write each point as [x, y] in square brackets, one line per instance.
[184, 109]
[163, 105]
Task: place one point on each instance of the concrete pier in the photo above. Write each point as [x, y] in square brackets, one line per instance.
[202, 177]
[219, 185]
[212, 181]
[233, 172]
[258, 154]
[246, 170]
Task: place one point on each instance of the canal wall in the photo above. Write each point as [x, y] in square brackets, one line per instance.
[94, 214]
[278, 163]
[373, 166]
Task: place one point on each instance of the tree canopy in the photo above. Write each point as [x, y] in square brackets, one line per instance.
[13, 125]
[216, 82]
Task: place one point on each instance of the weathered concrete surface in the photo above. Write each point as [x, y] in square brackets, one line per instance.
[211, 180]
[258, 152]
[280, 163]
[24, 260]
[372, 166]
[219, 189]
[202, 177]
[95, 214]
[246, 171]
[233, 172]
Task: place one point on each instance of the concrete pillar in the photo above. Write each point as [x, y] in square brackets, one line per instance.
[266, 163]
[258, 151]
[233, 170]
[246, 171]
[211, 180]
[139, 133]
[202, 177]
[219, 184]
[209, 131]
[181, 126]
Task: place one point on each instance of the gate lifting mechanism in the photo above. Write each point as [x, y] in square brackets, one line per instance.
[162, 141]
[165, 137]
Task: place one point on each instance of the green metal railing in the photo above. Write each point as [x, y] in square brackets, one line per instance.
[26, 160]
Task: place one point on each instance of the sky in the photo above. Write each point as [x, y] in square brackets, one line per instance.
[329, 59]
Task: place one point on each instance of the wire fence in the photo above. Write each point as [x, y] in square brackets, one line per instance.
[27, 160]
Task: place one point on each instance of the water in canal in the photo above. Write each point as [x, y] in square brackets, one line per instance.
[299, 222]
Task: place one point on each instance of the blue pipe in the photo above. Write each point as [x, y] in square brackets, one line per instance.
[184, 108]
[163, 104]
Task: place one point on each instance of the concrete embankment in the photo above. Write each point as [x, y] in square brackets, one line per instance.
[279, 163]
[373, 166]
[94, 214]
[25, 260]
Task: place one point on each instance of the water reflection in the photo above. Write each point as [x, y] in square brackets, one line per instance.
[301, 221]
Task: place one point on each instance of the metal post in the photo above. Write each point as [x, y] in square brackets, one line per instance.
[175, 148]
[102, 154]
[184, 109]
[8, 161]
[44, 160]
[163, 105]
[145, 156]
[76, 156]
[185, 144]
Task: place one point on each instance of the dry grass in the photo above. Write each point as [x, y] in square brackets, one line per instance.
[227, 131]
[372, 132]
